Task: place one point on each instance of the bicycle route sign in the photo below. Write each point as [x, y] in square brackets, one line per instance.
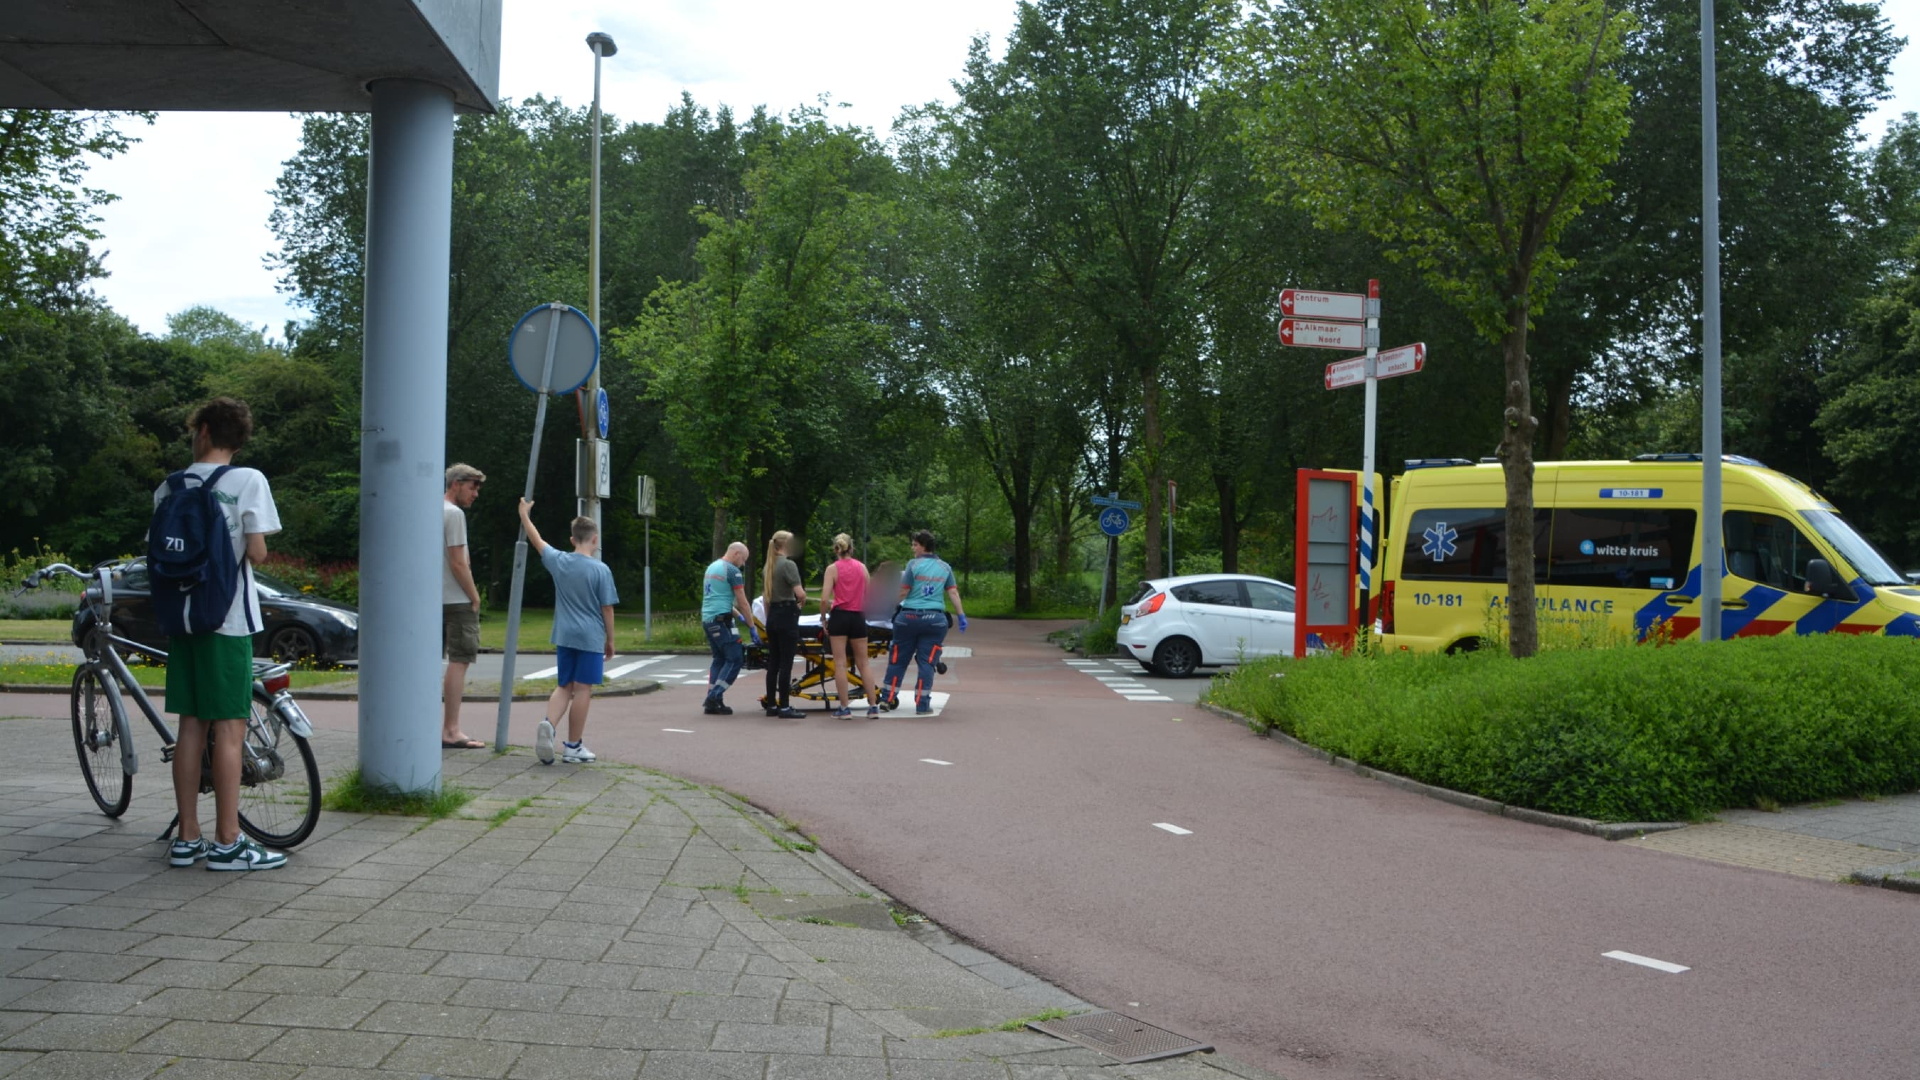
[1114, 520]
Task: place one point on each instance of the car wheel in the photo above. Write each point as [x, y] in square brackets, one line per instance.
[1177, 657]
[292, 642]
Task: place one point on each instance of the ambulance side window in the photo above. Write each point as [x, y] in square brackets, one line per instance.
[1466, 545]
[1640, 548]
[1768, 549]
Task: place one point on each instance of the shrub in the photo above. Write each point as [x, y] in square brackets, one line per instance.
[339, 581]
[1618, 734]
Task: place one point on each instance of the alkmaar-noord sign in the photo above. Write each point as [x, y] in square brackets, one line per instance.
[1315, 334]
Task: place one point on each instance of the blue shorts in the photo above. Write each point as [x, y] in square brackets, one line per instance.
[581, 666]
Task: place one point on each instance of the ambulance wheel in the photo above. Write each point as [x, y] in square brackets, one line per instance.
[1464, 645]
[1177, 656]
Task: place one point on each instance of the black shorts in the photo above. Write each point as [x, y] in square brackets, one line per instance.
[847, 623]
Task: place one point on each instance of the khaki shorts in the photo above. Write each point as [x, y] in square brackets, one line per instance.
[460, 633]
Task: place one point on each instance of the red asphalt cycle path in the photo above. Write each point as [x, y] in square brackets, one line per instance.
[1315, 923]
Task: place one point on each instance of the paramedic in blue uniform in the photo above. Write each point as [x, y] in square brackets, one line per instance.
[920, 626]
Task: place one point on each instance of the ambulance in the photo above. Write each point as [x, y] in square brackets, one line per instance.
[1617, 552]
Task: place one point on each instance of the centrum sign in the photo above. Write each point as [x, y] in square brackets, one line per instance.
[1345, 306]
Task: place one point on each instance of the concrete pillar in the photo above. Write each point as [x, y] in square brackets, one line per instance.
[404, 433]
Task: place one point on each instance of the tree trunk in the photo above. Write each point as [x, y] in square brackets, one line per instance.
[1023, 556]
[1063, 536]
[966, 539]
[1559, 417]
[1224, 486]
[719, 530]
[1156, 482]
[1516, 462]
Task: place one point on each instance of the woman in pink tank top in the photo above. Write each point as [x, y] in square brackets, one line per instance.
[845, 594]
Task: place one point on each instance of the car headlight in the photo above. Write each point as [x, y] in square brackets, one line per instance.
[348, 619]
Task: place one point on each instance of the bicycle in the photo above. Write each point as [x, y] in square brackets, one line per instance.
[279, 778]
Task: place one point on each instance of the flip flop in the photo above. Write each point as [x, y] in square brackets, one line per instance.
[468, 744]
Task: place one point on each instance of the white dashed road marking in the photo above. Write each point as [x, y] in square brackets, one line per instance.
[1178, 831]
[935, 761]
[625, 669]
[1119, 680]
[1645, 961]
[677, 730]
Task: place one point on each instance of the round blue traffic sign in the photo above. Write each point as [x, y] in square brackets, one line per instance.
[1114, 521]
[561, 333]
[601, 410]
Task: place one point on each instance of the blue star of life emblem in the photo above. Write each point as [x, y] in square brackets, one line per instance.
[1440, 542]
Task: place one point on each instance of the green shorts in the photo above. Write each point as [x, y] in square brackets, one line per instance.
[460, 633]
[210, 676]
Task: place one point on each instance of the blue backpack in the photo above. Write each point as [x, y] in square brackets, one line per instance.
[190, 559]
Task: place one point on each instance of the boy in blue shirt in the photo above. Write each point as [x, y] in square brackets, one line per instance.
[583, 599]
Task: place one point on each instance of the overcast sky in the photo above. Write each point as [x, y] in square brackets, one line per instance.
[191, 224]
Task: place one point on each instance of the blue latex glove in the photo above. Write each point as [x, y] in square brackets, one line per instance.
[963, 624]
[754, 635]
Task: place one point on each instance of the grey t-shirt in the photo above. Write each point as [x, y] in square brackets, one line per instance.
[581, 587]
[786, 578]
[453, 522]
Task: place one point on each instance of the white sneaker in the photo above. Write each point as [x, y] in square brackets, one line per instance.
[543, 742]
[576, 753]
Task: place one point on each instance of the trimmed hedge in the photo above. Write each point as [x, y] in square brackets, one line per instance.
[1620, 734]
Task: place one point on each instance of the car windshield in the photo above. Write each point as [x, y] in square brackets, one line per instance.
[1866, 560]
[271, 586]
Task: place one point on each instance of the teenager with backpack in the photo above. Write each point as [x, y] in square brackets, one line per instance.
[209, 528]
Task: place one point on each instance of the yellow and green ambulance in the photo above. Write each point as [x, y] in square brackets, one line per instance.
[1617, 548]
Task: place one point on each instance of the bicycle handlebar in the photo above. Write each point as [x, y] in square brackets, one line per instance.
[33, 580]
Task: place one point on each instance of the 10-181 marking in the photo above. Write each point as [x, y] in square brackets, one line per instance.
[1427, 599]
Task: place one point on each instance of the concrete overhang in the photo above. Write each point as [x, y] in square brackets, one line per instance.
[243, 55]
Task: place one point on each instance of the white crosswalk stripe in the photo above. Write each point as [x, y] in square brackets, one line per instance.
[1121, 678]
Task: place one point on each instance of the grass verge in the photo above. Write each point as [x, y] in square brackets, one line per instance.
[671, 630]
[59, 674]
[35, 629]
[1619, 734]
[349, 793]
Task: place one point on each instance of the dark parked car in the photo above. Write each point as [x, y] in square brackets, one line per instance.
[298, 627]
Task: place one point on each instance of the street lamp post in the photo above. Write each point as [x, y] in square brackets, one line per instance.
[602, 46]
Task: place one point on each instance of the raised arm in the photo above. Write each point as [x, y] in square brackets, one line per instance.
[526, 522]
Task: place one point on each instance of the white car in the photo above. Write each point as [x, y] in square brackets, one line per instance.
[1175, 626]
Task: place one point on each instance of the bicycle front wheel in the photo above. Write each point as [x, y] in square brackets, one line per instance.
[97, 739]
[279, 781]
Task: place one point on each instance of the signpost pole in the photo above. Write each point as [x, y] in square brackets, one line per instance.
[1711, 559]
[602, 46]
[1366, 458]
[647, 580]
[520, 549]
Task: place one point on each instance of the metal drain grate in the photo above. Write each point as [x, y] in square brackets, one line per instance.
[1120, 1037]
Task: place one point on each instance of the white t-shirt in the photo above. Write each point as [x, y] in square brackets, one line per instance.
[247, 501]
[453, 521]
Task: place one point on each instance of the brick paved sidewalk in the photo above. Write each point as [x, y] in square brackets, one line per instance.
[574, 923]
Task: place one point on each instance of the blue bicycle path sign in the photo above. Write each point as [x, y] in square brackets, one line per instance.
[1114, 521]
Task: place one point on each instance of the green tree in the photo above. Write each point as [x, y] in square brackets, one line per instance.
[770, 368]
[1098, 139]
[1466, 135]
[46, 209]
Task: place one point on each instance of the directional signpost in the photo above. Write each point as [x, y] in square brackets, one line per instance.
[1321, 334]
[1330, 320]
[1404, 360]
[1114, 520]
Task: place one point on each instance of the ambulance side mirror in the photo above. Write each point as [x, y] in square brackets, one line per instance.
[1822, 581]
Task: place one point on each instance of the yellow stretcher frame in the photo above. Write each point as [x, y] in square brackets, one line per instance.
[817, 676]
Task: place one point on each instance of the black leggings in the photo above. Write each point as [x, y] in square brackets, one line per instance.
[783, 642]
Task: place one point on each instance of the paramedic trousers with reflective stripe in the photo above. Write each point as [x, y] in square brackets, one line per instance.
[917, 637]
[727, 656]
